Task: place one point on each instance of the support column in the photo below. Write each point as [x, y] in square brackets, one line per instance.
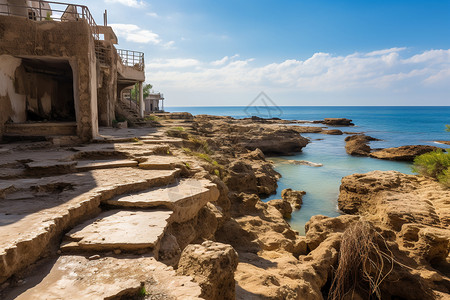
[141, 100]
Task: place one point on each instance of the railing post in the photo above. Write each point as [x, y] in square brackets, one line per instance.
[40, 10]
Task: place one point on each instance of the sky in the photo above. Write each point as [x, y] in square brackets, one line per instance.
[224, 53]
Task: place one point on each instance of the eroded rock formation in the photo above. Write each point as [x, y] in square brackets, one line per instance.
[403, 153]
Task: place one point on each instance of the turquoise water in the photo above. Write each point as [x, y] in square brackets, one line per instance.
[396, 126]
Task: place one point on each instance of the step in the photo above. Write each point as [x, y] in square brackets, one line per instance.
[160, 162]
[185, 199]
[95, 150]
[174, 141]
[81, 278]
[125, 230]
[41, 129]
[51, 167]
[29, 226]
[88, 165]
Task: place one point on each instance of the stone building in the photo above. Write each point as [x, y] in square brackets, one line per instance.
[60, 72]
[154, 103]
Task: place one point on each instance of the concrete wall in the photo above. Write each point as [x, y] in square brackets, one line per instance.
[23, 38]
[107, 88]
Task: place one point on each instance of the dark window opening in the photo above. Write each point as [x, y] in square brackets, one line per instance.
[48, 87]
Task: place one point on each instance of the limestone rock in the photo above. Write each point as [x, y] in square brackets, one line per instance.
[281, 141]
[358, 144]
[319, 228]
[403, 153]
[241, 177]
[412, 213]
[332, 132]
[283, 206]
[76, 277]
[212, 266]
[338, 122]
[295, 198]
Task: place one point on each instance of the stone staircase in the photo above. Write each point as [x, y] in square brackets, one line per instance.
[115, 201]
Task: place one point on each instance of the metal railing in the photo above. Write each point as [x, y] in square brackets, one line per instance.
[40, 10]
[131, 58]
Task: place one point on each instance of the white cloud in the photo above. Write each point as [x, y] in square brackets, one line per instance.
[173, 63]
[169, 45]
[152, 14]
[321, 73]
[220, 62]
[134, 33]
[386, 51]
[130, 3]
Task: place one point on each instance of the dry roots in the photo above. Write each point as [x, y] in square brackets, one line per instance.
[363, 265]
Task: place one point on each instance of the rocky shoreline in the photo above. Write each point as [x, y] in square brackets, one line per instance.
[200, 179]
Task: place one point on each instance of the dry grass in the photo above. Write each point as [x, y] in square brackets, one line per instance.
[363, 264]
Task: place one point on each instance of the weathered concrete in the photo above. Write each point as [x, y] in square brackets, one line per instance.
[47, 40]
[77, 277]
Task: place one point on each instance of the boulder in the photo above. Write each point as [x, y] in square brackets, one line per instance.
[241, 177]
[280, 141]
[358, 144]
[212, 266]
[295, 198]
[283, 206]
[403, 153]
[338, 122]
[332, 132]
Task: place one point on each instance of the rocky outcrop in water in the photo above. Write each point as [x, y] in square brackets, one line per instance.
[295, 198]
[338, 122]
[403, 153]
[269, 138]
[358, 144]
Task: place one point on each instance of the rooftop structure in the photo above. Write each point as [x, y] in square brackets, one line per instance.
[60, 72]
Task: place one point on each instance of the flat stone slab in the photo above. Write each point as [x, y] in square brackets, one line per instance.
[87, 165]
[54, 204]
[174, 141]
[77, 277]
[160, 162]
[185, 198]
[50, 167]
[123, 230]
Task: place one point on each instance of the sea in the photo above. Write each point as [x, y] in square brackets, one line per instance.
[393, 125]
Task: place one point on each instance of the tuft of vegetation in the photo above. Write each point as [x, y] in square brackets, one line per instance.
[151, 118]
[49, 16]
[435, 164]
[177, 128]
[200, 144]
[447, 128]
[364, 263]
[145, 89]
[217, 169]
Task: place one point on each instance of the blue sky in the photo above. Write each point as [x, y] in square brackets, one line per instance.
[299, 52]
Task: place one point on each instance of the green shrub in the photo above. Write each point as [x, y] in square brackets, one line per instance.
[444, 177]
[435, 164]
[447, 128]
[152, 118]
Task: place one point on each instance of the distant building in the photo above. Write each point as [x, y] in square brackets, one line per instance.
[60, 73]
[154, 103]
